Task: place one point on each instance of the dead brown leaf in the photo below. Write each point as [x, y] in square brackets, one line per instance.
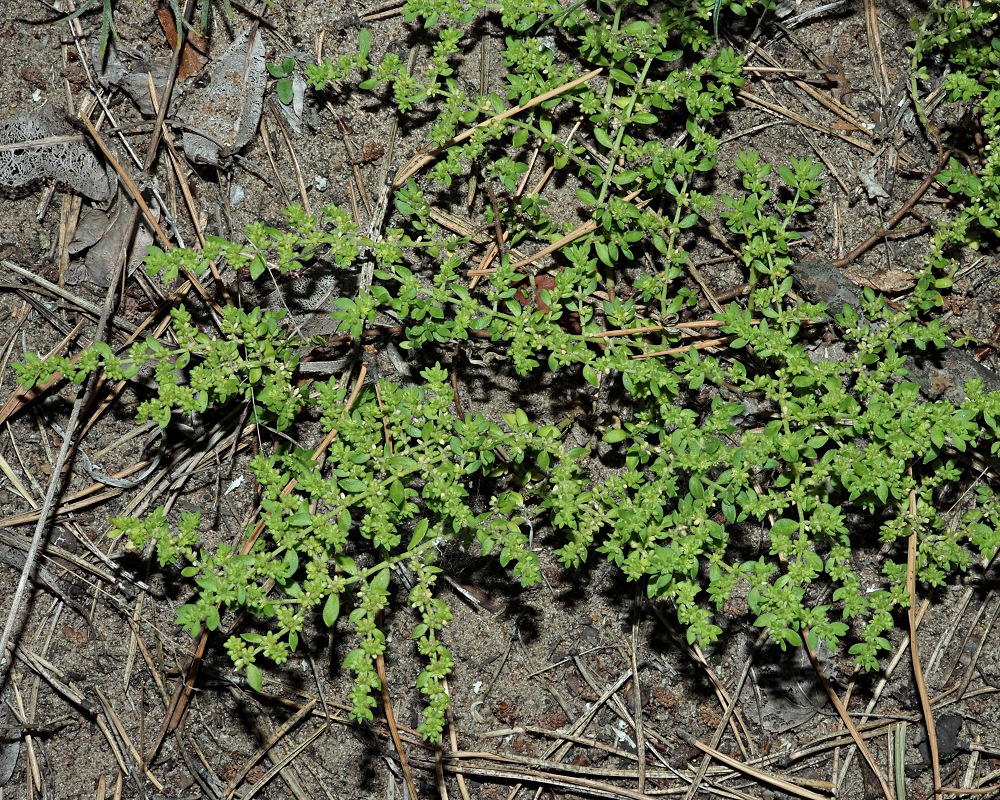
[195, 54]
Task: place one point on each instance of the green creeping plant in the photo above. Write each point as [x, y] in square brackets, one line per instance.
[702, 448]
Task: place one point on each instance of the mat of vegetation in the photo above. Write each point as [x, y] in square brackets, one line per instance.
[469, 399]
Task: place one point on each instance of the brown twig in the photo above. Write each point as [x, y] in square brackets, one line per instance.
[420, 161]
[894, 220]
[846, 718]
[746, 769]
[918, 676]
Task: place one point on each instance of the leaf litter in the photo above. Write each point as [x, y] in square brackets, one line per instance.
[45, 145]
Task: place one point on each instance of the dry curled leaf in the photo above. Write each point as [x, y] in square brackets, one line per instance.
[223, 116]
[43, 144]
[131, 76]
[102, 234]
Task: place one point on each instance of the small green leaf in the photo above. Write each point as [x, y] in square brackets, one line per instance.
[381, 580]
[352, 485]
[622, 77]
[397, 494]
[401, 464]
[644, 118]
[331, 610]
[255, 677]
[418, 534]
[257, 267]
[346, 563]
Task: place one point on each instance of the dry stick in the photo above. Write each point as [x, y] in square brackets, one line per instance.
[881, 686]
[282, 763]
[810, 73]
[918, 675]
[974, 661]
[724, 722]
[875, 52]
[442, 787]
[500, 733]
[64, 558]
[808, 136]
[749, 97]
[583, 786]
[150, 664]
[55, 484]
[559, 749]
[418, 162]
[484, 265]
[548, 766]
[265, 139]
[453, 740]
[746, 769]
[261, 751]
[390, 721]
[700, 280]
[189, 200]
[846, 718]
[587, 227]
[353, 158]
[291, 152]
[498, 246]
[133, 646]
[894, 220]
[640, 744]
[177, 707]
[32, 709]
[393, 7]
[970, 628]
[33, 774]
[119, 729]
[60, 292]
[477, 235]
[115, 751]
[52, 676]
[736, 723]
[823, 98]
[944, 641]
[128, 183]
[674, 351]
[69, 218]
[982, 790]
